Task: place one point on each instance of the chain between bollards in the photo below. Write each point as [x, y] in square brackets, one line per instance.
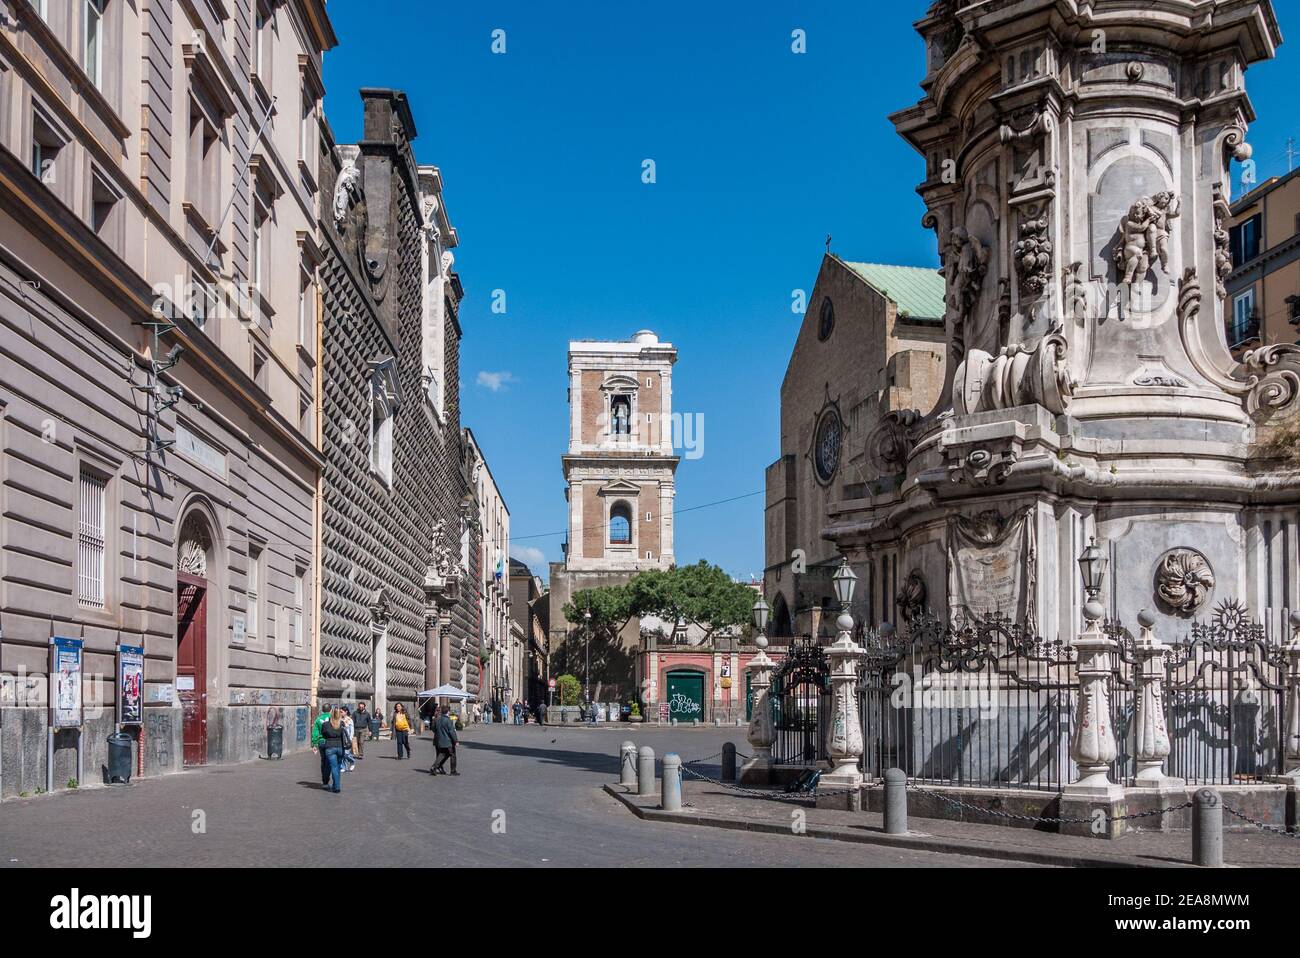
[627, 764]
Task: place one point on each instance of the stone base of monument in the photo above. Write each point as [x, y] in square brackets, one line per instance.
[755, 772]
[1094, 812]
[842, 792]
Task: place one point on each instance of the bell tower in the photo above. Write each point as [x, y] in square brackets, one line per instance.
[620, 464]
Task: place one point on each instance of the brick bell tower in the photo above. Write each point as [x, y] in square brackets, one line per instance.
[620, 465]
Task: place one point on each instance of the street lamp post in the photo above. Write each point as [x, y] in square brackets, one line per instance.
[1092, 745]
[757, 771]
[844, 738]
[586, 680]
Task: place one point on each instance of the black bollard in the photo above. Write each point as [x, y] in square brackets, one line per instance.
[728, 762]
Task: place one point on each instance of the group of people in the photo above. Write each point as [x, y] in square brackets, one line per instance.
[339, 734]
[520, 713]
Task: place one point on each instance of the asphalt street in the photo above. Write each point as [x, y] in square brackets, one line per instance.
[526, 796]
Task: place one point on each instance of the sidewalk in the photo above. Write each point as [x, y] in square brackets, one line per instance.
[720, 807]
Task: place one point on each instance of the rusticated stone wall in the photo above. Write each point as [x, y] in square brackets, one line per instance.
[376, 539]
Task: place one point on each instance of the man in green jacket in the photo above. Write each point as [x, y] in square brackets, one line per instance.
[444, 740]
[315, 743]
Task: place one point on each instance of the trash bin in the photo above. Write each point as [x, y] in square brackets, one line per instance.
[275, 741]
[119, 758]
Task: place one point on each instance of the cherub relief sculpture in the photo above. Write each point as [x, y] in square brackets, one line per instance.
[1144, 235]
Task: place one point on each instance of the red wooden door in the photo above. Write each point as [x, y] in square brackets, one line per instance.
[192, 665]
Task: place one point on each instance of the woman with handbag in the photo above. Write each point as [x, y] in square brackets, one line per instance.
[402, 731]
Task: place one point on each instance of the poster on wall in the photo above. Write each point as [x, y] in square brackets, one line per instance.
[66, 670]
[130, 684]
[992, 563]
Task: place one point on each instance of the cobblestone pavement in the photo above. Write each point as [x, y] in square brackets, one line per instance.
[542, 784]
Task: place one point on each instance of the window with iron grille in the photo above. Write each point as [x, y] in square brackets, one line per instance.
[90, 540]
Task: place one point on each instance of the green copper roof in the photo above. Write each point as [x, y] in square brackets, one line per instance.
[917, 291]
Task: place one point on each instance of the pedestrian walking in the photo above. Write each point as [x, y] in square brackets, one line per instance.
[376, 723]
[517, 710]
[349, 733]
[444, 740]
[332, 738]
[402, 731]
[526, 711]
[316, 743]
[361, 721]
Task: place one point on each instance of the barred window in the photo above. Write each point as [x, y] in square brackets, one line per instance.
[90, 541]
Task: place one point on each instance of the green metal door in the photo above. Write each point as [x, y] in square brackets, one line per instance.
[686, 696]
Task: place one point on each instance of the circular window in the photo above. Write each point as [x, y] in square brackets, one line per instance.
[826, 447]
[827, 321]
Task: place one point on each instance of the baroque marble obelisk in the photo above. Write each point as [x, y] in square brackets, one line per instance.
[1079, 159]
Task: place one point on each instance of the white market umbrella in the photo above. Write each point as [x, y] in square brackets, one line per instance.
[448, 692]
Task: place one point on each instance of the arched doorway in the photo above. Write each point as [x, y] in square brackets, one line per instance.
[782, 622]
[193, 560]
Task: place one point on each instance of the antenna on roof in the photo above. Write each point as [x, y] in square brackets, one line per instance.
[828, 243]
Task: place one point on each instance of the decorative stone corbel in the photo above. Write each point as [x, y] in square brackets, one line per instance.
[891, 442]
[1266, 379]
[984, 466]
[1017, 376]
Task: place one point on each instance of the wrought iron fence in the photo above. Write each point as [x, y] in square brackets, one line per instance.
[800, 697]
[985, 702]
[1224, 698]
[982, 703]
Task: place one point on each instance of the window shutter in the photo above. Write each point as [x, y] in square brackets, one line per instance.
[282, 624]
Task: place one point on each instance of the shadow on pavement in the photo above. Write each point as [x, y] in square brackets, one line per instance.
[591, 761]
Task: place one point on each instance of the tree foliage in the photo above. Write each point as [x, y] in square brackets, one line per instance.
[700, 594]
[570, 689]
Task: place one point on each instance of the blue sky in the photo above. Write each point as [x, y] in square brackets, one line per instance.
[759, 153]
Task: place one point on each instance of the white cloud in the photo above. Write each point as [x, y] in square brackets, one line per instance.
[494, 381]
[530, 556]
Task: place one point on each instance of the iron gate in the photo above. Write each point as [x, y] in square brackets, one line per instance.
[801, 704]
